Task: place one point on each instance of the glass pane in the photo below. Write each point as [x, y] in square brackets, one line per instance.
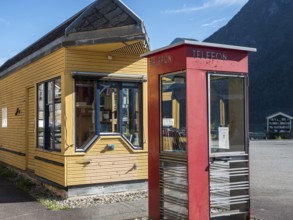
[227, 114]
[131, 114]
[57, 108]
[41, 114]
[108, 107]
[51, 114]
[173, 107]
[84, 112]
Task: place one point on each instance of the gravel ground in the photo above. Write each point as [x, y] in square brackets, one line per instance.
[88, 201]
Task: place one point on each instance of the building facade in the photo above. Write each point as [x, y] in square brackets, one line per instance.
[73, 104]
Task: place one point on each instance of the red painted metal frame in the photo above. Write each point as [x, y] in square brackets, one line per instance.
[196, 64]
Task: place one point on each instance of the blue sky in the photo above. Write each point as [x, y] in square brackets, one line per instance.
[22, 22]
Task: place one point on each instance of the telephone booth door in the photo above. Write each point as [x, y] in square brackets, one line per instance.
[228, 146]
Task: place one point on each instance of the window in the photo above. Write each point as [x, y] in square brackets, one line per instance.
[84, 112]
[107, 108]
[49, 115]
[131, 114]
[227, 113]
[173, 113]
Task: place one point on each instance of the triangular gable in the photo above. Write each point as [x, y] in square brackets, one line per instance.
[279, 113]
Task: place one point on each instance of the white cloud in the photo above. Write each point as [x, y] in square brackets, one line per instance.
[2, 60]
[4, 21]
[205, 5]
[214, 23]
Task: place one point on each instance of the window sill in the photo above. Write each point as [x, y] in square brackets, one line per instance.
[109, 135]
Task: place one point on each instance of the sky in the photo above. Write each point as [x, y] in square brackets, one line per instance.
[22, 22]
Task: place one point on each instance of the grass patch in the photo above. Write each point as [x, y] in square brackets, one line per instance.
[53, 205]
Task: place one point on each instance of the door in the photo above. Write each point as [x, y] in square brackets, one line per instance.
[30, 128]
[228, 147]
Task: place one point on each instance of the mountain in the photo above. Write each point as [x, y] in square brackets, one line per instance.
[268, 26]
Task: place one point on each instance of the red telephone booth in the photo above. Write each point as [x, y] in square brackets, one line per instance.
[198, 131]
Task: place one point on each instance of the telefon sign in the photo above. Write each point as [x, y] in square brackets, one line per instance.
[213, 55]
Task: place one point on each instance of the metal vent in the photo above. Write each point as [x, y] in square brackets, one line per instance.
[174, 188]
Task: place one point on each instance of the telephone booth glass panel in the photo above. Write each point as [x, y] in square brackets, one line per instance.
[227, 114]
[173, 112]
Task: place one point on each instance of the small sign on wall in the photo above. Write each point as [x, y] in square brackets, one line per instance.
[168, 122]
[224, 138]
[4, 117]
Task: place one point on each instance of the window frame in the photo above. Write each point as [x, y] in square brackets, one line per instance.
[245, 103]
[119, 133]
[46, 132]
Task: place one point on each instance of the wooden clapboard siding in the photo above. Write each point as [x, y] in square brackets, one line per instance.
[13, 159]
[31, 137]
[104, 167]
[100, 165]
[49, 170]
[99, 62]
[21, 130]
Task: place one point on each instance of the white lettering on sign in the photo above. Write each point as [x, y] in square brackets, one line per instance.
[213, 55]
[164, 59]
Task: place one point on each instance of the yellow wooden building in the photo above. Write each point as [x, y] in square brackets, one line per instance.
[73, 104]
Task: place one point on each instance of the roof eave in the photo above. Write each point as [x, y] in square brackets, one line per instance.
[197, 43]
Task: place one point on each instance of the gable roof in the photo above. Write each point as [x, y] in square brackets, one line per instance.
[280, 113]
[103, 21]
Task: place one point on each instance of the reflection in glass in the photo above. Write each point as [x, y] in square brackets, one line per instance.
[41, 115]
[131, 113]
[173, 111]
[108, 106]
[50, 114]
[57, 114]
[227, 113]
[84, 112]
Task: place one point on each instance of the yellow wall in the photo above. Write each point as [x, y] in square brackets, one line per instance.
[100, 165]
[19, 134]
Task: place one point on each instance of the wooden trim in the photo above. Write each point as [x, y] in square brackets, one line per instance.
[51, 183]
[49, 161]
[13, 152]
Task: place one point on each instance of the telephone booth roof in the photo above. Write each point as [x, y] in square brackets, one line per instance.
[198, 43]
